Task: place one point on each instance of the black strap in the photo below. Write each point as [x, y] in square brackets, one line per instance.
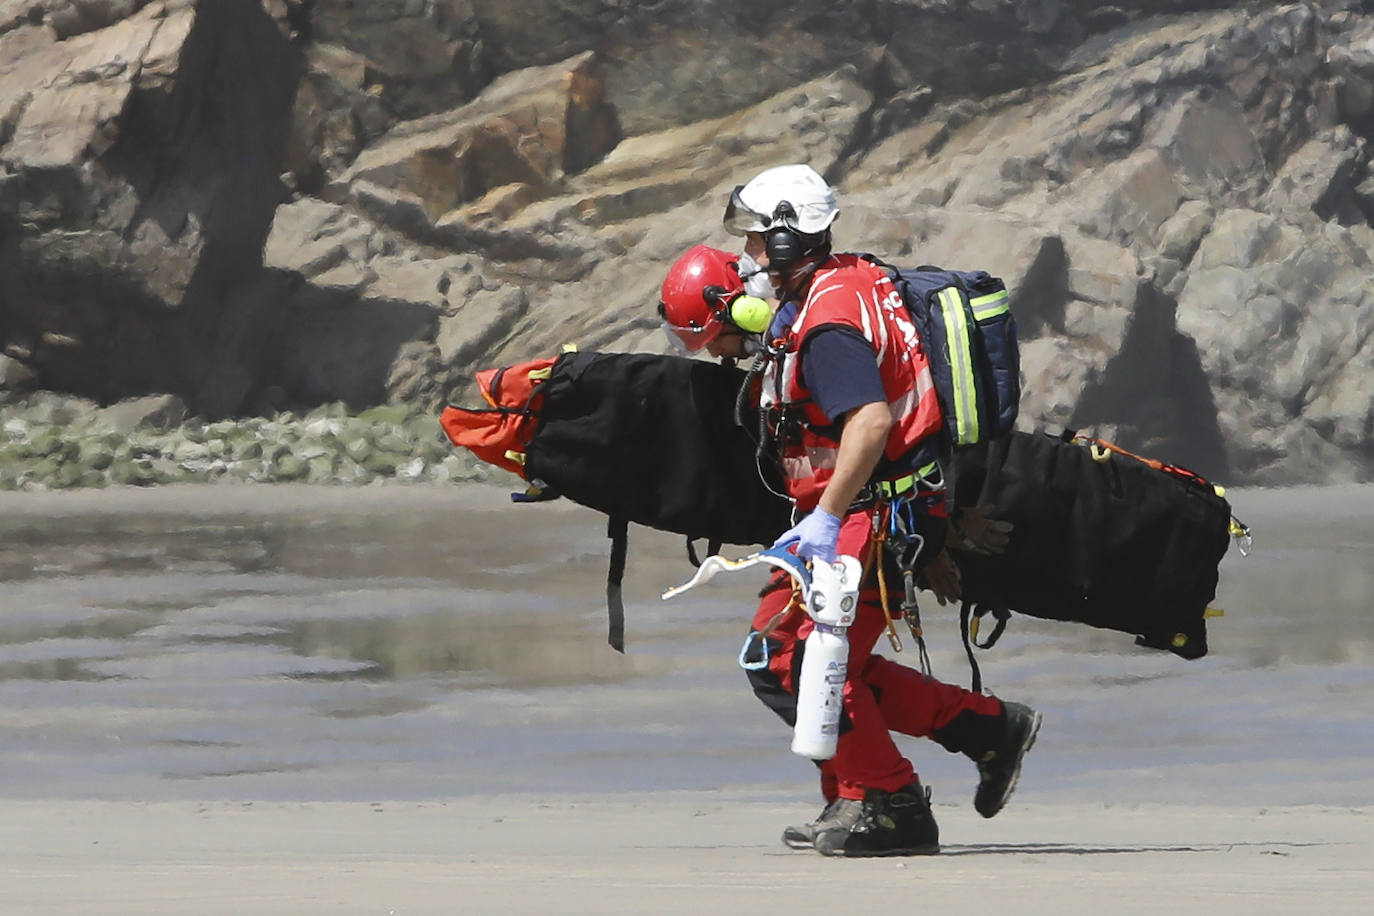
[712, 548]
[966, 614]
[976, 680]
[1001, 615]
[618, 530]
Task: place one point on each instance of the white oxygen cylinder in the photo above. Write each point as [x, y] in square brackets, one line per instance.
[820, 688]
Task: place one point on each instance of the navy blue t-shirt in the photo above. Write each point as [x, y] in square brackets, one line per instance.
[841, 371]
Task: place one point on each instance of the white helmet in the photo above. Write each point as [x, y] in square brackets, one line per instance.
[794, 196]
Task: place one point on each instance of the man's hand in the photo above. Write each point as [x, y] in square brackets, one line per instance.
[976, 532]
[941, 576]
[815, 536]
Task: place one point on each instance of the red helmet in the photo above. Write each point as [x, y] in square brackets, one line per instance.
[696, 292]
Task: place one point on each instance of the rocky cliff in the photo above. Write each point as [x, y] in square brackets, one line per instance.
[262, 204]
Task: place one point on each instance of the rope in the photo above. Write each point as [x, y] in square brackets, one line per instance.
[793, 604]
[877, 537]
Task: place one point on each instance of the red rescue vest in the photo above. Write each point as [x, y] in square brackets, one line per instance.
[848, 291]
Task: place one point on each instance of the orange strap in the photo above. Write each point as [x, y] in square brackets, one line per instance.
[877, 537]
[1113, 447]
[1148, 462]
[776, 620]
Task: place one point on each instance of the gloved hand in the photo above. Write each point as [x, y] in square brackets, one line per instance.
[941, 576]
[974, 531]
[815, 536]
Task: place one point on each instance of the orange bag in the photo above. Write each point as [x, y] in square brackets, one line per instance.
[499, 434]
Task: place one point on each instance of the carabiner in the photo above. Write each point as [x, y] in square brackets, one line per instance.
[1240, 533]
[744, 652]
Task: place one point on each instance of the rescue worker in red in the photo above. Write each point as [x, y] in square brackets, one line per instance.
[851, 405]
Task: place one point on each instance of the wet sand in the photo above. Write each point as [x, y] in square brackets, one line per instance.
[256, 699]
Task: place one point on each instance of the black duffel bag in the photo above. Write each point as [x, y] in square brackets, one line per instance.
[653, 440]
[1101, 537]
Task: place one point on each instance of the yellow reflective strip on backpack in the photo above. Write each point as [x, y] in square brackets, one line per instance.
[539, 375]
[961, 370]
[960, 347]
[990, 306]
[517, 457]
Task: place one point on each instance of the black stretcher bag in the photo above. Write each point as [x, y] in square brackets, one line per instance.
[1109, 541]
[1102, 537]
[653, 440]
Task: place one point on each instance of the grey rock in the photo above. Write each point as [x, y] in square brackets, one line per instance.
[181, 190]
[1317, 182]
[15, 376]
[395, 194]
[156, 412]
[1180, 235]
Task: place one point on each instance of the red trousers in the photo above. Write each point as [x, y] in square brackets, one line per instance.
[880, 695]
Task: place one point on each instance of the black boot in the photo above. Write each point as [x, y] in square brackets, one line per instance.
[889, 824]
[999, 763]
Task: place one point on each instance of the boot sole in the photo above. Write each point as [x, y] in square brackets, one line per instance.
[1026, 745]
[882, 853]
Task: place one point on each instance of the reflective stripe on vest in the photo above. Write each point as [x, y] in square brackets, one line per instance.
[852, 293]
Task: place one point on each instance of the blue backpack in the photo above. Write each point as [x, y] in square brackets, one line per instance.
[965, 322]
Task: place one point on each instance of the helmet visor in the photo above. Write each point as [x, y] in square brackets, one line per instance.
[739, 219]
[692, 337]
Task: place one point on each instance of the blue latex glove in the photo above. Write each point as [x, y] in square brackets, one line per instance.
[815, 536]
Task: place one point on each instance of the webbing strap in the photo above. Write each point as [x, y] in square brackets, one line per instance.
[890, 489]
[959, 349]
[968, 632]
[712, 548]
[976, 678]
[618, 530]
[927, 478]
[1000, 615]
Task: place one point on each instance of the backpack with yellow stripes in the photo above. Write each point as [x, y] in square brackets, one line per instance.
[966, 326]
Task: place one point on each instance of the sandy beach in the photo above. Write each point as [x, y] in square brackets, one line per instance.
[399, 700]
[667, 853]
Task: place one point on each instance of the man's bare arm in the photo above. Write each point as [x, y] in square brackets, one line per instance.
[861, 446]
